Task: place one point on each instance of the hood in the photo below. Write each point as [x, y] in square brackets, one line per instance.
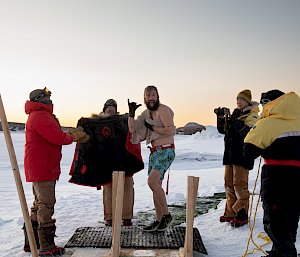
[253, 107]
[36, 106]
[286, 107]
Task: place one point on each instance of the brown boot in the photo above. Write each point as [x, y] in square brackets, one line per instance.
[47, 245]
[35, 226]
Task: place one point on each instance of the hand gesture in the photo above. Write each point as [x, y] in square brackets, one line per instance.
[132, 108]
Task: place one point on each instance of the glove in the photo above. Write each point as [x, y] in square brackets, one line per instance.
[79, 135]
[132, 108]
[148, 126]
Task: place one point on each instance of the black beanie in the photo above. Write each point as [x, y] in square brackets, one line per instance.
[270, 96]
[110, 102]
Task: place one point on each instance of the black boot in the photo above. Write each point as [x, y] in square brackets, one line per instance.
[47, 245]
[241, 219]
[35, 226]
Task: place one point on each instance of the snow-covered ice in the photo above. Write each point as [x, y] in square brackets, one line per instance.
[77, 206]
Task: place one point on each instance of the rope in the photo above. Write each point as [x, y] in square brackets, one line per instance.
[251, 227]
[167, 186]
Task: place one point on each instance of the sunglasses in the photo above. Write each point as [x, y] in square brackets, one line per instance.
[264, 101]
[46, 92]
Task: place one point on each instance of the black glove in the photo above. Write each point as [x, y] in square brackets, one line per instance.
[132, 108]
[148, 126]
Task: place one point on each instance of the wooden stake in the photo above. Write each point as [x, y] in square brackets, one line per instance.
[115, 251]
[18, 180]
[192, 189]
[115, 178]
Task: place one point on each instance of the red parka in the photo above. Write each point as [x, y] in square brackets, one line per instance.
[44, 140]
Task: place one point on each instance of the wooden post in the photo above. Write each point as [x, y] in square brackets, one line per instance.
[195, 191]
[115, 250]
[18, 180]
[115, 177]
[192, 189]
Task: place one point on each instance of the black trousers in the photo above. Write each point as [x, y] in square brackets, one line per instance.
[280, 188]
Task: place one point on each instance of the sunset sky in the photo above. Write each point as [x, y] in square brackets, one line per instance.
[198, 53]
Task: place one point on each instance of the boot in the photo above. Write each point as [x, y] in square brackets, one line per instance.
[47, 245]
[226, 219]
[127, 222]
[35, 226]
[241, 219]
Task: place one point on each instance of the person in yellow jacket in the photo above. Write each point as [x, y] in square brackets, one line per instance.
[276, 137]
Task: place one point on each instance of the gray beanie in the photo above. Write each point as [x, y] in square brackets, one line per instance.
[41, 96]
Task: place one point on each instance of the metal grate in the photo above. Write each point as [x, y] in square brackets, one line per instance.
[134, 237]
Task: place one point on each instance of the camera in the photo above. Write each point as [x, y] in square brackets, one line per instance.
[222, 111]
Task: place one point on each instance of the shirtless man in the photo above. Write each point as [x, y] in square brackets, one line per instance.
[156, 126]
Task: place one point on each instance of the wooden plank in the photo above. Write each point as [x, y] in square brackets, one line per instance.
[188, 243]
[115, 249]
[115, 177]
[191, 197]
[195, 190]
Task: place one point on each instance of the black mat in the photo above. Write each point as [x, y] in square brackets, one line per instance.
[134, 237]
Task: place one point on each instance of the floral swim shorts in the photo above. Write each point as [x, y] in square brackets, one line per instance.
[160, 160]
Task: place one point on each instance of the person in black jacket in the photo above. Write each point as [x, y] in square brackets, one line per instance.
[235, 127]
[276, 137]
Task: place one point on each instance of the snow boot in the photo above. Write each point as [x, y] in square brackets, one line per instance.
[274, 253]
[108, 223]
[241, 219]
[226, 219]
[35, 226]
[127, 222]
[55, 251]
[47, 245]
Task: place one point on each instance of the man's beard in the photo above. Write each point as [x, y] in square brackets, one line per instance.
[154, 107]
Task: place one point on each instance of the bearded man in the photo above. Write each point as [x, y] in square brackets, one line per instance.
[156, 126]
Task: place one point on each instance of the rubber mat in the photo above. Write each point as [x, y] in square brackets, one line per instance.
[134, 237]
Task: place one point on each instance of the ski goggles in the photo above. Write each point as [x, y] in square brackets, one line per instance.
[110, 102]
[44, 92]
[264, 101]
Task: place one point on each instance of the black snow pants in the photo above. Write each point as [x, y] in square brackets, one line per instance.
[280, 188]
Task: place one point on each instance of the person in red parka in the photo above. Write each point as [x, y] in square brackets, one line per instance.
[44, 140]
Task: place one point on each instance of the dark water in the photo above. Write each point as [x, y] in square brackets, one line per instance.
[178, 211]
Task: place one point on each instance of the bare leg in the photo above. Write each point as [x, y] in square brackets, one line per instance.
[159, 196]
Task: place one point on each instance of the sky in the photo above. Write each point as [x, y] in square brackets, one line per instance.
[198, 53]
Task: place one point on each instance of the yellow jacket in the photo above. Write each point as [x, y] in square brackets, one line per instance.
[279, 116]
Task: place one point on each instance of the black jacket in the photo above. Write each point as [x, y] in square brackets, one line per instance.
[235, 131]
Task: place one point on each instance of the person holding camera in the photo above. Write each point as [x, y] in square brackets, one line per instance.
[237, 166]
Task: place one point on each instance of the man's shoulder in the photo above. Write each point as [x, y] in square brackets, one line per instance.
[164, 107]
